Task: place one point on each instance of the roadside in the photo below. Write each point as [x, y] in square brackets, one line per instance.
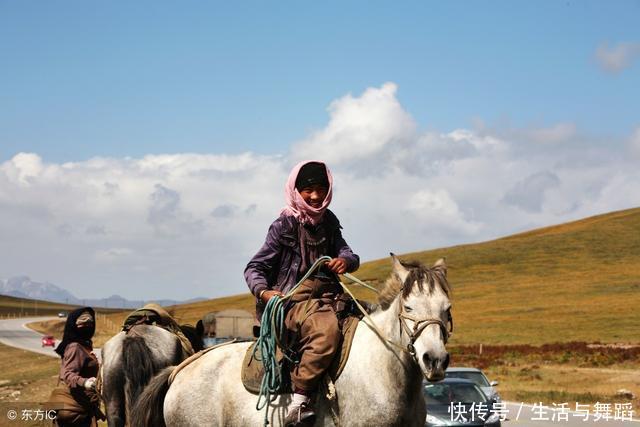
[105, 328]
[13, 333]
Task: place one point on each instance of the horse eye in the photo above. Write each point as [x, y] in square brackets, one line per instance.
[406, 307]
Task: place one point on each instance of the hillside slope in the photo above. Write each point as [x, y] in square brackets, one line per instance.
[574, 281]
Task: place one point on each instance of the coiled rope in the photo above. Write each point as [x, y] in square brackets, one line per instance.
[271, 333]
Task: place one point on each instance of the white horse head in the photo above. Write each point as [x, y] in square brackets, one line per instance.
[422, 298]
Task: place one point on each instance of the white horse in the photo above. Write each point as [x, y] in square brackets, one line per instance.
[130, 360]
[381, 384]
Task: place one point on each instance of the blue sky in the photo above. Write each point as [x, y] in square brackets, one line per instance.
[129, 78]
[144, 145]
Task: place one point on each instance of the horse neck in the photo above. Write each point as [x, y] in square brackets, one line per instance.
[393, 368]
[387, 322]
[392, 355]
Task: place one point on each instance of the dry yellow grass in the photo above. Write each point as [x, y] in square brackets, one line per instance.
[33, 375]
[578, 281]
[552, 383]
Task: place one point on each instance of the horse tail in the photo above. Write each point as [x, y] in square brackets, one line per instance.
[139, 368]
[148, 410]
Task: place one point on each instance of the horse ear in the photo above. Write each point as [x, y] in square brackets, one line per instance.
[398, 268]
[441, 264]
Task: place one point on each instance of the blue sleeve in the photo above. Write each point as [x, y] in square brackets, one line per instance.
[263, 263]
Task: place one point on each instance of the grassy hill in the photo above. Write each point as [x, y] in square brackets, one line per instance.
[578, 281]
[22, 307]
[13, 306]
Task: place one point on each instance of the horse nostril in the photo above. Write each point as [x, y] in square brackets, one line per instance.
[426, 359]
[445, 364]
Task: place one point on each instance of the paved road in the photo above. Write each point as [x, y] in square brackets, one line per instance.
[15, 334]
[524, 415]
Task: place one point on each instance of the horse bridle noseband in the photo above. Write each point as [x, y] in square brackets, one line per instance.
[419, 325]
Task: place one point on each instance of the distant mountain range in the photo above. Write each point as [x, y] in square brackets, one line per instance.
[24, 287]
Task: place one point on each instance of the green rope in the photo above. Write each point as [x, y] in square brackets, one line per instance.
[271, 333]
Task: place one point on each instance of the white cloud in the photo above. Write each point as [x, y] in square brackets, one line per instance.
[529, 193]
[369, 128]
[112, 254]
[438, 208]
[184, 225]
[558, 133]
[616, 58]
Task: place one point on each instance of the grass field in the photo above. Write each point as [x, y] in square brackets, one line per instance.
[22, 307]
[578, 281]
[567, 372]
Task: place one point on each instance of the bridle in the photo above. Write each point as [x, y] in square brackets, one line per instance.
[419, 325]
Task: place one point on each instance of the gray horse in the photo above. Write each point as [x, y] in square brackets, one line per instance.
[130, 360]
[393, 350]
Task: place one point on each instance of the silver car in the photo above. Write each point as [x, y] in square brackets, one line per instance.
[479, 378]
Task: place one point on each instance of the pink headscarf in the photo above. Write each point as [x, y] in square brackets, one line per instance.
[296, 206]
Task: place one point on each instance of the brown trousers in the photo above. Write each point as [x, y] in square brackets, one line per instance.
[313, 327]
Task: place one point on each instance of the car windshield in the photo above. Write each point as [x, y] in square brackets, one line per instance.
[477, 377]
[444, 394]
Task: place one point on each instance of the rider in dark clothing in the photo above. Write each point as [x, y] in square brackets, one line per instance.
[79, 370]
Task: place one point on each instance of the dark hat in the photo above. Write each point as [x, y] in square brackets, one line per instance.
[313, 173]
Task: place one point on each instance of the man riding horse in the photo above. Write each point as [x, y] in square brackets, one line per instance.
[305, 231]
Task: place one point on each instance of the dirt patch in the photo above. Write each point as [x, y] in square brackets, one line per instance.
[580, 354]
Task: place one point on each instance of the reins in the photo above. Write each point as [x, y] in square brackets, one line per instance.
[419, 323]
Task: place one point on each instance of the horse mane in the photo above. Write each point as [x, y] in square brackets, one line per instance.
[419, 275]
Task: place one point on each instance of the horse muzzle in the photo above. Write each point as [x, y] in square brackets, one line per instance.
[434, 367]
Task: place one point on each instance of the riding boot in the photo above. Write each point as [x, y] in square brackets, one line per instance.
[300, 412]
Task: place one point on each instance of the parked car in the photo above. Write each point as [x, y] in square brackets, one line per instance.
[48, 341]
[478, 377]
[62, 314]
[458, 402]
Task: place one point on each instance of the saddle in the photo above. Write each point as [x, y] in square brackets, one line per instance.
[253, 369]
[153, 314]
